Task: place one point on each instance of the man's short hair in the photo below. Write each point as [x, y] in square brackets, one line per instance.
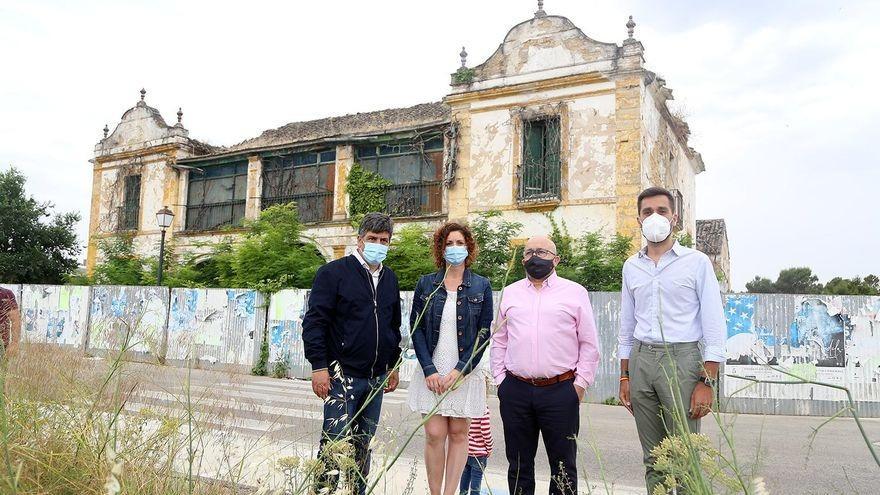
[655, 191]
[376, 222]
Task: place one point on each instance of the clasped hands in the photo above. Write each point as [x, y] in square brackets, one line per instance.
[439, 384]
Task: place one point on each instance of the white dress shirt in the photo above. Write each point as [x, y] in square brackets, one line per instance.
[373, 275]
[676, 300]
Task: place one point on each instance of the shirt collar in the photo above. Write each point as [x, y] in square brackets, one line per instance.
[363, 262]
[548, 282]
[677, 249]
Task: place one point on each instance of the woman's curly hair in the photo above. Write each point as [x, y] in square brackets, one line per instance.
[439, 245]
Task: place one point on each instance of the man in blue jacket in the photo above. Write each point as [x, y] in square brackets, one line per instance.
[351, 337]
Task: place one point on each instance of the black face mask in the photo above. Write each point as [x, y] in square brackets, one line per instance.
[539, 268]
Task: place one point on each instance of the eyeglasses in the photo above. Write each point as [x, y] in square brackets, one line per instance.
[541, 253]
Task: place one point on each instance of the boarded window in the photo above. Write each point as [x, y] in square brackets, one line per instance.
[130, 211]
[540, 171]
[305, 178]
[415, 168]
[217, 196]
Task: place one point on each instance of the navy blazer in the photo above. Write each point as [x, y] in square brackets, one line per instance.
[473, 312]
[350, 322]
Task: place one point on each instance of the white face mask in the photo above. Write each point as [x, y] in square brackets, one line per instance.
[656, 228]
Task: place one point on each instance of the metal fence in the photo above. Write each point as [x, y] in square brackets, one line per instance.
[410, 200]
[834, 340]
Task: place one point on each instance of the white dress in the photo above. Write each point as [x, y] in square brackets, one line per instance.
[466, 401]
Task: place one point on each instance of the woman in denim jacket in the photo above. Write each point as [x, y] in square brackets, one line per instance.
[450, 318]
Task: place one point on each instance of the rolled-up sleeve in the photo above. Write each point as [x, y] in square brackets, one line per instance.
[711, 313]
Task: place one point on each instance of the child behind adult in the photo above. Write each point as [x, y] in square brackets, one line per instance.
[479, 450]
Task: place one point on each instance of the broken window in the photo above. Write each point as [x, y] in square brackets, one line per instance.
[415, 168]
[216, 197]
[129, 212]
[540, 171]
[305, 178]
[678, 207]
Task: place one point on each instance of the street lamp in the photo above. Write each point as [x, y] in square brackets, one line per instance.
[164, 217]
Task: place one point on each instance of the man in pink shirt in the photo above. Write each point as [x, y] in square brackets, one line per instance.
[544, 357]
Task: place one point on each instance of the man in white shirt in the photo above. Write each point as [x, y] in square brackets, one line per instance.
[672, 331]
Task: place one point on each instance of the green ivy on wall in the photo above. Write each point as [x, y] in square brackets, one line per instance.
[366, 192]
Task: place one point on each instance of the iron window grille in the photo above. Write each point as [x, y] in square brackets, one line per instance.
[305, 178]
[540, 172]
[415, 169]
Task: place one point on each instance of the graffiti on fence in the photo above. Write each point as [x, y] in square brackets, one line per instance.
[54, 314]
[834, 340]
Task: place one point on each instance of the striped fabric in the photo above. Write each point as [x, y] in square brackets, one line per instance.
[480, 436]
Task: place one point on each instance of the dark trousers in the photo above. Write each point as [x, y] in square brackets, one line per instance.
[552, 411]
[472, 476]
[344, 420]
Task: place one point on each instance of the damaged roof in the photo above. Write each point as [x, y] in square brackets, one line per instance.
[711, 235]
[379, 122]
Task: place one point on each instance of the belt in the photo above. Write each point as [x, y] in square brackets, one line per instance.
[543, 382]
[671, 346]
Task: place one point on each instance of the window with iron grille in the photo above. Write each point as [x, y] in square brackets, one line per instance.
[415, 168]
[305, 178]
[216, 197]
[129, 212]
[540, 172]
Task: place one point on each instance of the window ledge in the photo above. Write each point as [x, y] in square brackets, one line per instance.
[540, 205]
[196, 233]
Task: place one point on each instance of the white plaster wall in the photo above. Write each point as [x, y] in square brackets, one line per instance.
[490, 162]
[591, 147]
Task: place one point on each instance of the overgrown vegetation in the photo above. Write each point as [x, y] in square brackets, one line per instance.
[592, 260]
[33, 250]
[410, 255]
[463, 75]
[273, 255]
[366, 193]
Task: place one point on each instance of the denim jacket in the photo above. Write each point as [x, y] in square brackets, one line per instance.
[473, 315]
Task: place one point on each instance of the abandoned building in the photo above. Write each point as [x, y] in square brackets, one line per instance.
[553, 121]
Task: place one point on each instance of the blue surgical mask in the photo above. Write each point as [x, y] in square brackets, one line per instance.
[375, 253]
[455, 255]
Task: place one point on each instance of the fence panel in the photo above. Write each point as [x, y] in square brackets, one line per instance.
[215, 326]
[55, 314]
[131, 317]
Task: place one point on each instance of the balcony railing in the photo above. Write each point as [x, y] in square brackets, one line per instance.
[312, 207]
[416, 199]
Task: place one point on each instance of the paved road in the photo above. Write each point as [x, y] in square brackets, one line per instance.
[286, 416]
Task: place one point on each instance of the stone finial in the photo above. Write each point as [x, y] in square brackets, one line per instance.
[463, 56]
[630, 27]
[143, 93]
[540, 12]
[180, 116]
[106, 130]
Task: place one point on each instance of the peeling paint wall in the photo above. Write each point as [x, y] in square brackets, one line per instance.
[54, 314]
[216, 326]
[131, 318]
[665, 162]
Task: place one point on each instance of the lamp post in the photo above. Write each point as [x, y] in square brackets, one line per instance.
[164, 217]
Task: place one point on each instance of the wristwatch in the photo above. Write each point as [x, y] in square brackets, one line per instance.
[709, 382]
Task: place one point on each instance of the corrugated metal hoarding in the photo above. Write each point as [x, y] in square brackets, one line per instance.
[55, 314]
[133, 318]
[215, 326]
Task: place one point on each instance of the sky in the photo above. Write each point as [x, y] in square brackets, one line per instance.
[780, 96]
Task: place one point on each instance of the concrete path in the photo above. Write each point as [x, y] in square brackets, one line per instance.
[261, 420]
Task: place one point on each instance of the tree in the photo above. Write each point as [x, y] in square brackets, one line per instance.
[799, 280]
[853, 286]
[34, 248]
[761, 285]
[120, 264]
[494, 235]
[592, 260]
[410, 255]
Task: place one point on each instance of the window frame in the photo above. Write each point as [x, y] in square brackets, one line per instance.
[205, 174]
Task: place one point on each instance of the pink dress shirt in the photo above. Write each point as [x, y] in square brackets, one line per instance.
[544, 333]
